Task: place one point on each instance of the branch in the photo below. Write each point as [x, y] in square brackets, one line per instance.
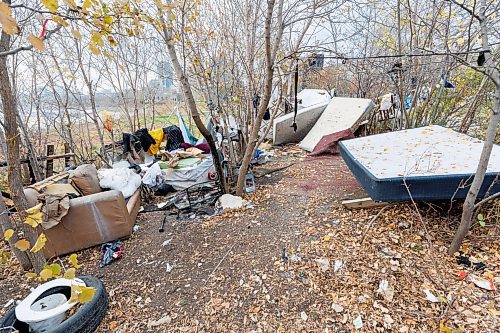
[30, 46]
[491, 197]
[467, 9]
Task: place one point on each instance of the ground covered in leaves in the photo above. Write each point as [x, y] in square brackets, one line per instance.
[298, 261]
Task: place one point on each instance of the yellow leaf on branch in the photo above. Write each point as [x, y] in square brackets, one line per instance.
[40, 243]
[8, 23]
[76, 34]
[46, 274]
[34, 217]
[22, 245]
[51, 5]
[71, 3]
[70, 273]
[8, 234]
[73, 259]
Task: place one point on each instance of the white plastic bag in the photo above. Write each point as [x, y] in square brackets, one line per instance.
[150, 177]
[124, 180]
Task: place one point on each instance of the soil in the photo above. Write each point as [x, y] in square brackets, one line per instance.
[262, 269]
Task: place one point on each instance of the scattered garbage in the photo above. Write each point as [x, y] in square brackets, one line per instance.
[295, 258]
[335, 222]
[9, 303]
[229, 201]
[386, 291]
[136, 228]
[430, 296]
[324, 264]
[169, 268]
[461, 275]
[337, 266]
[284, 257]
[162, 321]
[482, 283]
[466, 261]
[111, 252]
[358, 323]
[249, 183]
[165, 243]
[337, 307]
[304, 316]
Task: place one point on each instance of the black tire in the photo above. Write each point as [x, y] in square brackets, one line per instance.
[85, 320]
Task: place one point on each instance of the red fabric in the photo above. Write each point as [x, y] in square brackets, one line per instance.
[44, 28]
[328, 145]
[204, 147]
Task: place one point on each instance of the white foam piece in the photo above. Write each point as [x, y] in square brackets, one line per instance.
[420, 152]
[341, 113]
[311, 97]
[306, 118]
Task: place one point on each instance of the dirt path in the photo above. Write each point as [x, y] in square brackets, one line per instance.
[229, 275]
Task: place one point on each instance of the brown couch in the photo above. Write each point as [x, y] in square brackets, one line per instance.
[91, 220]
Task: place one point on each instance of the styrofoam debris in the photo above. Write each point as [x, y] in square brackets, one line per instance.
[483, 283]
[229, 201]
[358, 323]
[430, 296]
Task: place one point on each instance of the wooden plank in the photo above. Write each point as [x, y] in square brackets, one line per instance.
[49, 165]
[363, 203]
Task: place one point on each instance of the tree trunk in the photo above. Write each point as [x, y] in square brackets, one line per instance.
[254, 135]
[12, 136]
[190, 101]
[6, 224]
[470, 200]
[492, 72]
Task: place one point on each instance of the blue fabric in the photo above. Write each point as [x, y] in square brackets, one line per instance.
[447, 84]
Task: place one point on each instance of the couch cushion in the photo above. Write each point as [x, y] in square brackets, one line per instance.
[84, 177]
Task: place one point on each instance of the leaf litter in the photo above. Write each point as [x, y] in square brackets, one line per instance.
[376, 286]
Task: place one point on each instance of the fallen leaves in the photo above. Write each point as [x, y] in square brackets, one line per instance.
[81, 294]
[8, 234]
[22, 245]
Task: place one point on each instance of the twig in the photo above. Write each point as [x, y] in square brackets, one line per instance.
[220, 262]
[266, 172]
[373, 221]
[493, 196]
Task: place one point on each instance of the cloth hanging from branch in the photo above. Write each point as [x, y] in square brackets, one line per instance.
[296, 84]
[186, 133]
